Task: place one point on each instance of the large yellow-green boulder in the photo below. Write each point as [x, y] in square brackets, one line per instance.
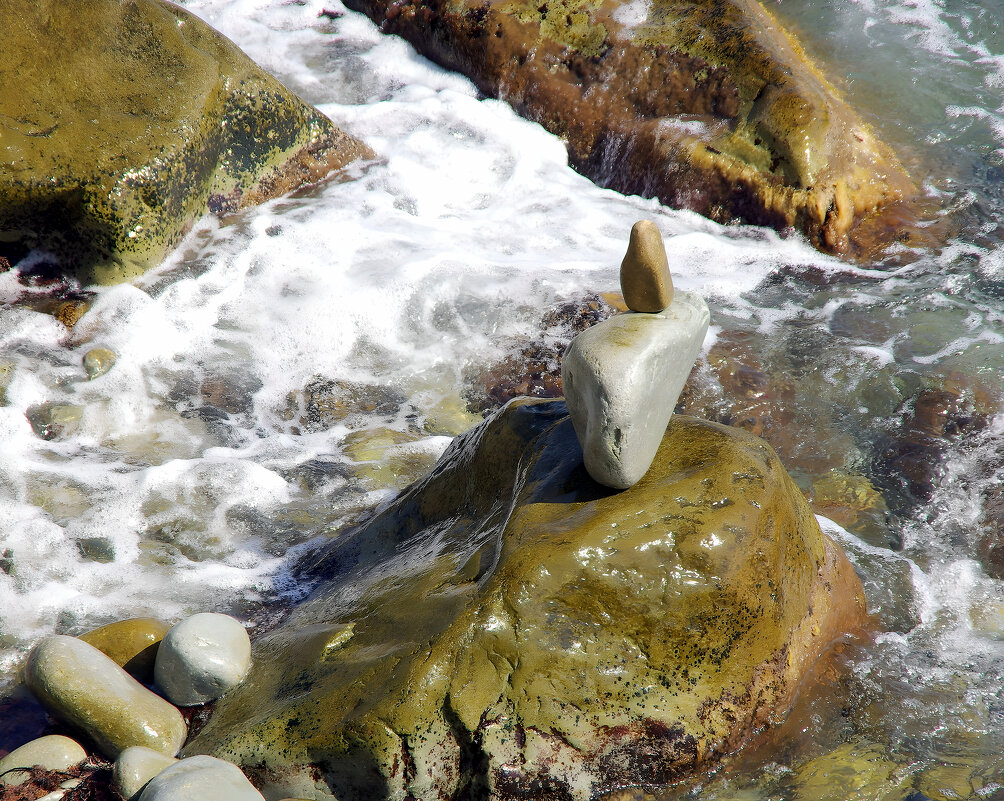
[508, 628]
[708, 105]
[122, 121]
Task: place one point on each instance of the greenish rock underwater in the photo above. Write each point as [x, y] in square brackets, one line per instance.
[508, 628]
[123, 122]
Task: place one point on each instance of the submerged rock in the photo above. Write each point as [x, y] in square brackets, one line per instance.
[54, 420]
[98, 361]
[507, 628]
[534, 370]
[122, 122]
[912, 465]
[323, 403]
[708, 105]
[853, 771]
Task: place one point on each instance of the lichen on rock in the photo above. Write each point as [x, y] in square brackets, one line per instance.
[508, 628]
[123, 122]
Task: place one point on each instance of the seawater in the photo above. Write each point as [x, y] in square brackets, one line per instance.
[191, 475]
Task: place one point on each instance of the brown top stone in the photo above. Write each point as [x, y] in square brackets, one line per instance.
[645, 279]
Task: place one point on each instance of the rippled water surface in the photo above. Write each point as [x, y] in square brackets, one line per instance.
[285, 372]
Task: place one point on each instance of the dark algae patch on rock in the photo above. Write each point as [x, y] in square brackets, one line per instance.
[123, 122]
[708, 105]
[507, 628]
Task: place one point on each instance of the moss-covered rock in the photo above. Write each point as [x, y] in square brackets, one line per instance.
[122, 122]
[509, 627]
[706, 104]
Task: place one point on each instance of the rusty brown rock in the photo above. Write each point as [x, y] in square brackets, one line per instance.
[707, 104]
[645, 278]
[913, 464]
[534, 369]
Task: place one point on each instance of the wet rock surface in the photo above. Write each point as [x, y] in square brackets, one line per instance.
[710, 106]
[135, 767]
[87, 690]
[131, 644]
[509, 629]
[201, 658]
[118, 134]
[200, 778]
[622, 378]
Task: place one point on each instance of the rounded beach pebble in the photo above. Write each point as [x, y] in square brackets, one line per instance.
[645, 280]
[98, 361]
[201, 658]
[76, 682]
[201, 778]
[53, 752]
[135, 767]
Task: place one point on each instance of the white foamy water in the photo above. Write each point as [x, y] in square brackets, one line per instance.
[437, 257]
[190, 475]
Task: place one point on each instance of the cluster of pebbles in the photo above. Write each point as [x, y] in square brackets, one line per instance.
[121, 687]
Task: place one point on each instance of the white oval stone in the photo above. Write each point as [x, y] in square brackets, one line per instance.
[78, 683]
[201, 658]
[135, 767]
[201, 778]
[53, 752]
[622, 378]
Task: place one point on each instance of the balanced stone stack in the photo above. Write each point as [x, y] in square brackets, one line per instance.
[622, 377]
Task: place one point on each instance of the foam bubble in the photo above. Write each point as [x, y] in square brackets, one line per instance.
[633, 13]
